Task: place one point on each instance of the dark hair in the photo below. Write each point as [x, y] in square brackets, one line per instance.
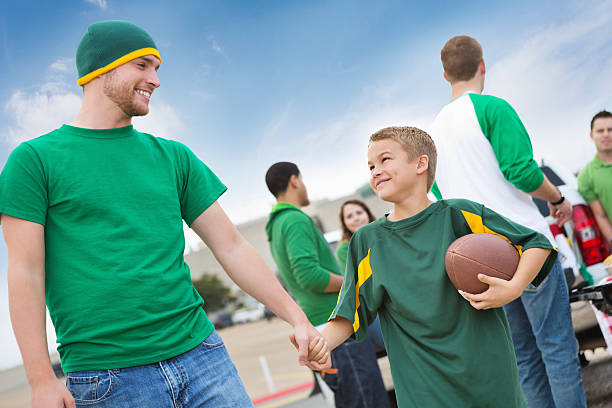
[461, 57]
[346, 234]
[603, 114]
[278, 176]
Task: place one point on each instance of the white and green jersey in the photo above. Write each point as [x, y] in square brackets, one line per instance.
[485, 155]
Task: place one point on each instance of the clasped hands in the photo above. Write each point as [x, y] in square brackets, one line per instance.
[318, 357]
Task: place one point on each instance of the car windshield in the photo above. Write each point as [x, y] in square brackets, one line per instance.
[556, 180]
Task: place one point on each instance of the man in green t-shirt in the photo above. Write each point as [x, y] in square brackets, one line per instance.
[92, 217]
[308, 268]
[444, 350]
[595, 180]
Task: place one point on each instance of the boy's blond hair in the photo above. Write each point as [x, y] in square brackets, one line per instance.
[461, 57]
[415, 142]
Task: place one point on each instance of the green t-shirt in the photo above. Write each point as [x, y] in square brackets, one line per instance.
[112, 203]
[341, 253]
[305, 262]
[442, 351]
[595, 183]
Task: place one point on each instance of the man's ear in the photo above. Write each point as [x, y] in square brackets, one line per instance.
[422, 164]
[294, 181]
[483, 69]
[445, 77]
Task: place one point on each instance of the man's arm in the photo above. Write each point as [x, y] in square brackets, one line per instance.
[25, 243]
[548, 192]
[304, 260]
[335, 283]
[245, 267]
[603, 221]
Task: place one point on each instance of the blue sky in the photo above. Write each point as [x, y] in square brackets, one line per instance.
[245, 84]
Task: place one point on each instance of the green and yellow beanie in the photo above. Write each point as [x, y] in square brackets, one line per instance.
[108, 44]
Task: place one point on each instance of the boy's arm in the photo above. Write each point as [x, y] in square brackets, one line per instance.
[334, 334]
[246, 267]
[25, 243]
[501, 291]
[337, 331]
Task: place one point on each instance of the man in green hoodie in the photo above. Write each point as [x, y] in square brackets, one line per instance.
[309, 270]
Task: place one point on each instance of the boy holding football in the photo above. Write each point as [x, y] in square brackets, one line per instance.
[443, 350]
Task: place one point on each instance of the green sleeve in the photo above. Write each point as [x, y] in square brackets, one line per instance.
[341, 252]
[199, 187]
[303, 256]
[23, 186]
[510, 141]
[355, 299]
[521, 237]
[585, 185]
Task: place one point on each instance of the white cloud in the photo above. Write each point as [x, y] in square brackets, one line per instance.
[214, 45]
[100, 3]
[39, 112]
[62, 64]
[557, 80]
[161, 121]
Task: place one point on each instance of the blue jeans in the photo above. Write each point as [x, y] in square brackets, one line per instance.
[545, 344]
[202, 377]
[358, 383]
[375, 335]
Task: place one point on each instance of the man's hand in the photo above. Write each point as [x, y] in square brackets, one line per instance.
[562, 212]
[313, 351]
[51, 394]
[500, 292]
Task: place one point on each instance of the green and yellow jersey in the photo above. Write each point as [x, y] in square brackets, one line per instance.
[442, 351]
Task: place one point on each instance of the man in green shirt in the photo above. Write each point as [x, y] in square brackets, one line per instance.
[595, 180]
[444, 350]
[308, 268]
[92, 216]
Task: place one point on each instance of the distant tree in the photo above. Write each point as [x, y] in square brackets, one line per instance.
[215, 294]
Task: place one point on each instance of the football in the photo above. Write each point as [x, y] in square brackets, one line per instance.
[478, 253]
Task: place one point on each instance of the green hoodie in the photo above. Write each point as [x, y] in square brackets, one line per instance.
[303, 259]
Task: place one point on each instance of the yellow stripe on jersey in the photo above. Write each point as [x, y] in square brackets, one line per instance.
[364, 271]
[477, 226]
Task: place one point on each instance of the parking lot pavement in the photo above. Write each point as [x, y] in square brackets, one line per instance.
[247, 342]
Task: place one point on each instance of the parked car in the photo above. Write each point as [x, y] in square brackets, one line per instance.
[222, 320]
[581, 245]
[248, 314]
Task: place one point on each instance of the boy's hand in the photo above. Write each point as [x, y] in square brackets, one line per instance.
[318, 353]
[500, 292]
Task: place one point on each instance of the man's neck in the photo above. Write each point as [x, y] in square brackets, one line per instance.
[96, 118]
[459, 88]
[605, 157]
[289, 200]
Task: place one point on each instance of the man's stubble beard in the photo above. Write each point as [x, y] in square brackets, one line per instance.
[122, 94]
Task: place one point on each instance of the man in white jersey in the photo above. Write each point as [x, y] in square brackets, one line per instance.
[485, 155]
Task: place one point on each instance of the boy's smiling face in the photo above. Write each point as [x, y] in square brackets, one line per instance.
[393, 175]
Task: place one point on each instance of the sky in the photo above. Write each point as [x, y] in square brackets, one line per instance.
[248, 83]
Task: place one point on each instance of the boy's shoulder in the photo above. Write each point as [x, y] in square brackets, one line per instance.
[462, 204]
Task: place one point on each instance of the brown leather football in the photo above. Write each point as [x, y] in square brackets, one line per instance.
[483, 253]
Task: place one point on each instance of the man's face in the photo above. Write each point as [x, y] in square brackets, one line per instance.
[602, 134]
[130, 85]
[302, 192]
[392, 174]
